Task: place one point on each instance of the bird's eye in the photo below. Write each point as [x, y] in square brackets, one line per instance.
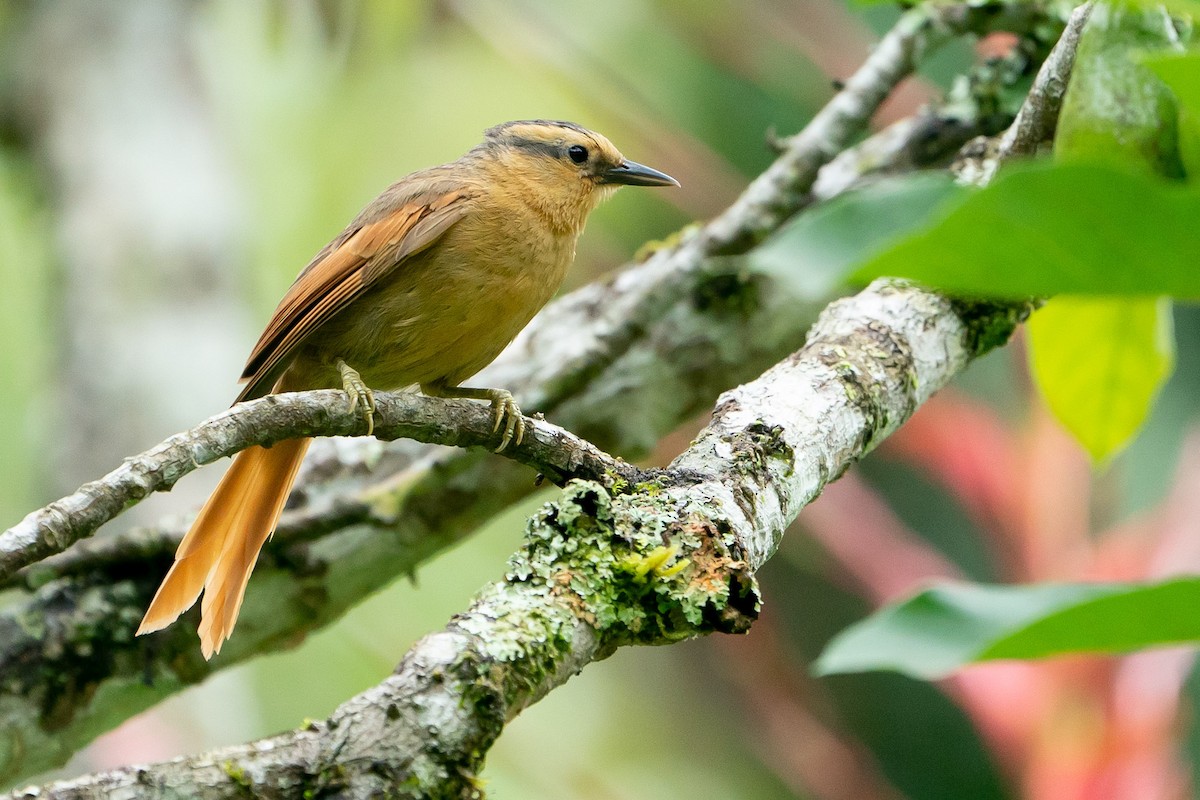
[578, 153]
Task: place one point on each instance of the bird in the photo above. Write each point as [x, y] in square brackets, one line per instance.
[424, 288]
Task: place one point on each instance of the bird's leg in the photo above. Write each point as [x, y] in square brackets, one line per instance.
[360, 394]
[504, 408]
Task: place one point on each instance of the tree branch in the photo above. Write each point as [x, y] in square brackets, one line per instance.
[552, 451]
[1038, 117]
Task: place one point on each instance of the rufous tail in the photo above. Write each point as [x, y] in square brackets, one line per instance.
[218, 553]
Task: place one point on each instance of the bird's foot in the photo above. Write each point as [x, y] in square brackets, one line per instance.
[505, 410]
[361, 396]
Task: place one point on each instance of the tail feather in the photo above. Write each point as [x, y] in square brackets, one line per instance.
[219, 552]
[227, 586]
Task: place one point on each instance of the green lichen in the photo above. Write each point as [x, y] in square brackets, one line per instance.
[854, 368]
[329, 782]
[632, 567]
[989, 324]
[659, 562]
[649, 488]
[734, 292]
[236, 774]
[670, 241]
[759, 445]
[458, 786]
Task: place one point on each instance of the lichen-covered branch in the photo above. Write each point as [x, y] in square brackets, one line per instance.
[783, 188]
[663, 337]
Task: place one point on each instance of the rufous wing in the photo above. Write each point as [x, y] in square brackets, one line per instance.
[398, 225]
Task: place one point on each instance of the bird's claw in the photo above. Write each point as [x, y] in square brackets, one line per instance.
[360, 394]
[505, 410]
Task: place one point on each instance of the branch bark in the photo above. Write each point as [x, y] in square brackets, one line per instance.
[551, 450]
[567, 361]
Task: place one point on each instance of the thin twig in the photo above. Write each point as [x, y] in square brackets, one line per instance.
[1038, 117]
[556, 453]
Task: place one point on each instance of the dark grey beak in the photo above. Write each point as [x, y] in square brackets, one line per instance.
[632, 173]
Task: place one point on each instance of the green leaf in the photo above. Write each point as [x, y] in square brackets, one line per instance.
[1044, 229]
[950, 625]
[1181, 73]
[1100, 363]
[1116, 109]
[812, 253]
[1182, 8]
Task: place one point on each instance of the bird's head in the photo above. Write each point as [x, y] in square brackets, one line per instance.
[564, 163]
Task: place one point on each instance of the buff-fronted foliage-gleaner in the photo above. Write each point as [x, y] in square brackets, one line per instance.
[424, 288]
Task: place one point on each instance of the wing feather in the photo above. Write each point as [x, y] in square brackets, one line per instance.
[387, 233]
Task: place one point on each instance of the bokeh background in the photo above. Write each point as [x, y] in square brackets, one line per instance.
[166, 166]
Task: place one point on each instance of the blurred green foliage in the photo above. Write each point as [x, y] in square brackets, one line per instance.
[1116, 110]
[1181, 72]
[1043, 229]
[946, 627]
[1100, 362]
[27, 334]
[813, 253]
